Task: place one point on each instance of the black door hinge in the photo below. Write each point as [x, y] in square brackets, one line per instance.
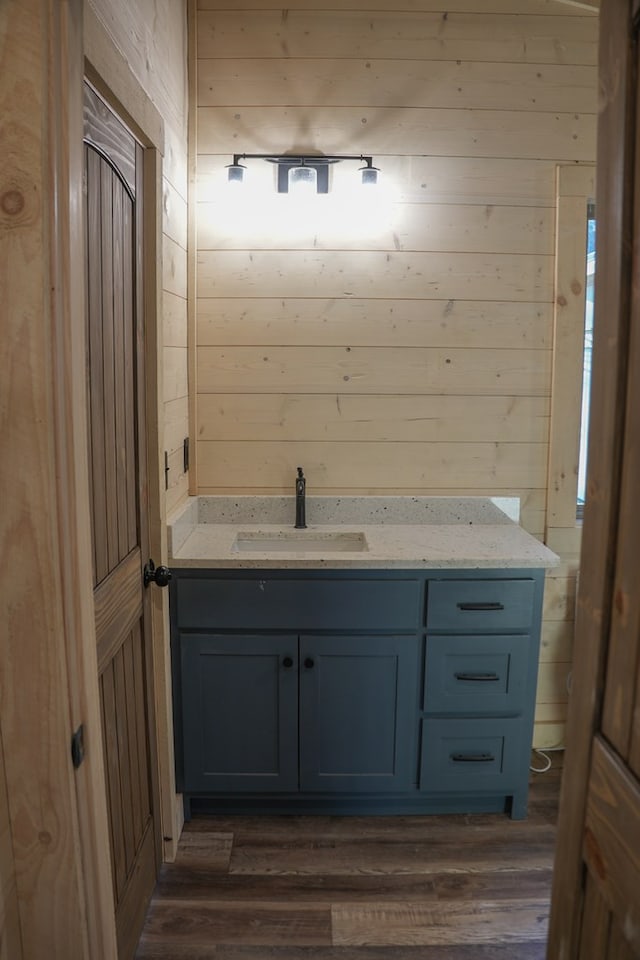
[185, 455]
[166, 470]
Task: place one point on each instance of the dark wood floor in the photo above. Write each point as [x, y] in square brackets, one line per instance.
[359, 888]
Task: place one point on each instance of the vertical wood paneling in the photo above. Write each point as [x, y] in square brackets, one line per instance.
[112, 764]
[121, 295]
[136, 749]
[111, 335]
[140, 699]
[108, 360]
[96, 390]
[124, 754]
[128, 367]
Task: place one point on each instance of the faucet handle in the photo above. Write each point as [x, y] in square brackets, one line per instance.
[300, 474]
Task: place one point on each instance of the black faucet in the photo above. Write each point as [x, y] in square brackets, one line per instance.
[301, 484]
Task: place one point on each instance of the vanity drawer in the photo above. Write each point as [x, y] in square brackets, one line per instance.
[475, 674]
[297, 604]
[462, 606]
[470, 755]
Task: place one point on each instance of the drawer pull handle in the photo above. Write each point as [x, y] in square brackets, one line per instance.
[476, 676]
[287, 663]
[472, 757]
[309, 663]
[480, 606]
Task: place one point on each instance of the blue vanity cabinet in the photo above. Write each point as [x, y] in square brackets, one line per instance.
[355, 691]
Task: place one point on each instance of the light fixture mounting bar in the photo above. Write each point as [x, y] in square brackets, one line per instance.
[320, 162]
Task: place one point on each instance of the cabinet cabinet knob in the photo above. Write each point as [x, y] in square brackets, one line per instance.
[309, 663]
[287, 662]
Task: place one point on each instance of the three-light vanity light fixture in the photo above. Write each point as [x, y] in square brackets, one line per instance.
[307, 173]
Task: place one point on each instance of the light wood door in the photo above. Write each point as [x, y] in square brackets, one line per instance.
[113, 217]
[596, 895]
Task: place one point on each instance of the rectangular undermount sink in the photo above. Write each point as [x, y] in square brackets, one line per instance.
[300, 541]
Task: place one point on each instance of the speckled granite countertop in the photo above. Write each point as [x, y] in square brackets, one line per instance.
[353, 532]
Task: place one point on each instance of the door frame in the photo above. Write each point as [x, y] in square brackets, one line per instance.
[601, 516]
[109, 73]
[55, 865]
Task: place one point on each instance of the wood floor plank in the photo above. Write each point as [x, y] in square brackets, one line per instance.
[389, 924]
[185, 922]
[531, 950]
[353, 858]
[319, 829]
[200, 882]
[208, 848]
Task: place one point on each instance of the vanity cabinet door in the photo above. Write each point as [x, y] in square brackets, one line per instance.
[239, 713]
[358, 713]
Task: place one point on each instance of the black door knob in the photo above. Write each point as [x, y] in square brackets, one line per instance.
[287, 662]
[158, 575]
[309, 663]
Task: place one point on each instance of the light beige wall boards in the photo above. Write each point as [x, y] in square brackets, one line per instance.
[416, 360]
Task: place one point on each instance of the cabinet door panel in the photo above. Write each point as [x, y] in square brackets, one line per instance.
[240, 701]
[358, 698]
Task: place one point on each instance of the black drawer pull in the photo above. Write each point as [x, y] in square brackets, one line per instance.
[472, 757]
[287, 662]
[480, 606]
[476, 676]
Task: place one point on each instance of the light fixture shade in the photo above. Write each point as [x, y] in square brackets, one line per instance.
[303, 179]
[369, 176]
[235, 173]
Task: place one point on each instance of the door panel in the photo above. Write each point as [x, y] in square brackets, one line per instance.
[596, 895]
[117, 482]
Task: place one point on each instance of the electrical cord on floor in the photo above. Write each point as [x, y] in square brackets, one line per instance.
[545, 754]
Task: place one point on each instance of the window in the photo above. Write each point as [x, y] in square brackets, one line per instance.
[575, 189]
[588, 345]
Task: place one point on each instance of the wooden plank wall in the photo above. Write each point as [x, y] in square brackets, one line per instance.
[411, 356]
[152, 36]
